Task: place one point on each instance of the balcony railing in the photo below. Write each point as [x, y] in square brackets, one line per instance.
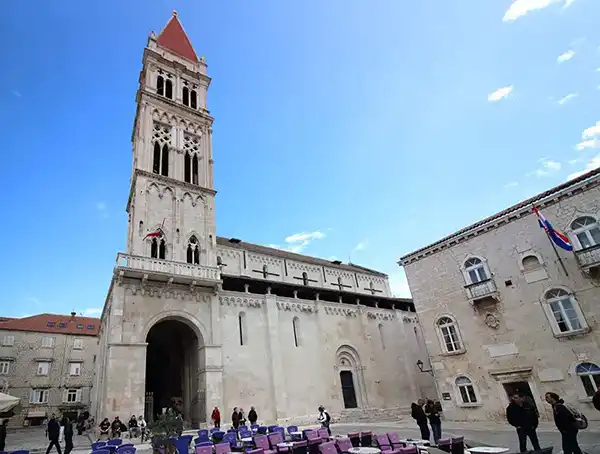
[589, 257]
[148, 265]
[481, 290]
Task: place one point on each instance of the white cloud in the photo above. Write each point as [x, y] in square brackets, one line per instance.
[584, 144]
[593, 164]
[547, 167]
[592, 131]
[590, 138]
[93, 312]
[567, 98]
[361, 246]
[565, 56]
[298, 241]
[520, 8]
[500, 93]
[512, 184]
[17, 93]
[399, 284]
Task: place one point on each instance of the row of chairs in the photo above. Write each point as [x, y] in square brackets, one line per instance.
[114, 446]
[20, 451]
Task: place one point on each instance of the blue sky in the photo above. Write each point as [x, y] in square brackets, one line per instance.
[374, 128]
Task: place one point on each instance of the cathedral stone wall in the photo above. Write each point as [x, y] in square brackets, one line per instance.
[515, 339]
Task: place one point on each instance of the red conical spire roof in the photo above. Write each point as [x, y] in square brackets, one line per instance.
[173, 38]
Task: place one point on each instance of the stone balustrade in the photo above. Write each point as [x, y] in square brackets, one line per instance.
[589, 258]
[481, 290]
[148, 265]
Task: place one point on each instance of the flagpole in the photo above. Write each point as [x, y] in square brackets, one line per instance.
[556, 252]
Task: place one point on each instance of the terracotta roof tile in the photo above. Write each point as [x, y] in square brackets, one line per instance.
[53, 323]
[174, 38]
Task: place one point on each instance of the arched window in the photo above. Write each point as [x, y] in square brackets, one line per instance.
[193, 251]
[242, 328]
[187, 168]
[449, 335]
[565, 311]
[160, 85]
[305, 278]
[531, 263]
[587, 231]
[165, 161]
[162, 249]
[466, 390]
[169, 89]
[589, 373]
[156, 158]
[194, 99]
[154, 248]
[186, 96]
[195, 169]
[381, 335]
[296, 328]
[475, 270]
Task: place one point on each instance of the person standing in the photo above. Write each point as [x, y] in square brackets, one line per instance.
[3, 434]
[324, 419]
[68, 434]
[216, 417]
[522, 414]
[235, 418]
[142, 425]
[418, 414]
[252, 416]
[435, 421]
[565, 423]
[241, 417]
[53, 431]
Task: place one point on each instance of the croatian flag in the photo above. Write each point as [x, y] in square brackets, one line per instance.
[560, 239]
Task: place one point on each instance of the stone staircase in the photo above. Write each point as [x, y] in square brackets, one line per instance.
[372, 415]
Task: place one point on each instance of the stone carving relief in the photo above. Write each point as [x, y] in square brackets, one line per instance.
[341, 311]
[339, 273]
[491, 320]
[237, 301]
[264, 259]
[408, 319]
[367, 278]
[303, 267]
[297, 307]
[381, 315]
[167, 292]
[226, 252]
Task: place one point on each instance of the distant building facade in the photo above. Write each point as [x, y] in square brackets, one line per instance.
[48, 362]
[204, 321]
[500, 313]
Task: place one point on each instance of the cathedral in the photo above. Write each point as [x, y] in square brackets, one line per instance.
[208, 321]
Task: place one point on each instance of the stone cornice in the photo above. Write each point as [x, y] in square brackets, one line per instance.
[522, 209]
[173, 291]
[241, 301]
[168, 181]
[173, 107]
[381, 315]
[297, 307]
[345, 311]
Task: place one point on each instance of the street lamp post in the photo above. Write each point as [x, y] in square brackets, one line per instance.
[420, 366]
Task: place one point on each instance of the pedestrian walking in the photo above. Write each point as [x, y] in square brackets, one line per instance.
[53, 432]
[418, 414]
[216, 417]
[3, 434]
[235, 418]
[324, 419]
[435, 421]
[524, 416]
[68, 434]
[252, 416]
[566, 423]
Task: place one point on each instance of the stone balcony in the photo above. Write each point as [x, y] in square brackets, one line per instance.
[589, 258]
[136, 266]
[480, 291]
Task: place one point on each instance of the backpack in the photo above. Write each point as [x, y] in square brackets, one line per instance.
[581, 421]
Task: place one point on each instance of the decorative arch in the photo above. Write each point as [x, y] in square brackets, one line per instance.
[351, 376]
[180, 316]
[168, 191]
[530, 253]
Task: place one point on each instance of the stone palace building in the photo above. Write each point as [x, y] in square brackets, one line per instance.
[213, 321]
[48, 362]
[503, 310]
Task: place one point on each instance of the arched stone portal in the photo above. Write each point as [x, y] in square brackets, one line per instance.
[173, 358]
[352, 384]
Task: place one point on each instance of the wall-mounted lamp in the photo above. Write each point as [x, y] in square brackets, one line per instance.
[420, 366]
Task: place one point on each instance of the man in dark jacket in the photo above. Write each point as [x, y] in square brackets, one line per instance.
[418, 414]
[68, 435]
[522, 414]
[3, 434]
[53, 431]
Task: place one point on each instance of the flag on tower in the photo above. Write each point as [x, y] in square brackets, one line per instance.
[158, 232]
[558, 238]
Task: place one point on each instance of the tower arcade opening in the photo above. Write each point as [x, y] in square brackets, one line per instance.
[172, 365]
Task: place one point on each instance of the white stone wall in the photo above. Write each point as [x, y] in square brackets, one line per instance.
[511, 340]
[22, 378]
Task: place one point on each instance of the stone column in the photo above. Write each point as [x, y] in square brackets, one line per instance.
[278, 379]
[210, 378]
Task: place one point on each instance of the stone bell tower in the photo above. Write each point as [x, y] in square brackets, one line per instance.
[171, 200]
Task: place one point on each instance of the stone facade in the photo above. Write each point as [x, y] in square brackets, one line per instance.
[49, 371]
[499, 311]
[255, 325]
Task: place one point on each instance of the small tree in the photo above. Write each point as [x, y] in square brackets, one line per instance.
[167, 426]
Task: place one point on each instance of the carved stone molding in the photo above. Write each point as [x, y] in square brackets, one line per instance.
[341, 311]
[303, 267]
[168, 292]
[492, 320]
[264, 259]
[381, 315]
[408, 319]
[238, 301]
[339, 273]
[297, 307]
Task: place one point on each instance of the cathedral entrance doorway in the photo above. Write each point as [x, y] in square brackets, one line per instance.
[172, 361]
[350, 372]
[348, 392]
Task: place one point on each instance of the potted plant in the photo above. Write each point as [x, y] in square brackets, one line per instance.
[163, 432]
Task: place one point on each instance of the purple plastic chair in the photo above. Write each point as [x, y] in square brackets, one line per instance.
[384, 444]
[328, 448]
[412, 449]
[366, 439]
[222, 448]
[354, 438]
[262, 442]
[444, 444]
[256, 451]
[114, 442]
[458, 445]
[274, 439]
[395, 440]
[126, 449]
[100, 444]
[323, 434]
[204, 449]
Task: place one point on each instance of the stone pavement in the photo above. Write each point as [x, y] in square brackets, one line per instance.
[34, 440]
